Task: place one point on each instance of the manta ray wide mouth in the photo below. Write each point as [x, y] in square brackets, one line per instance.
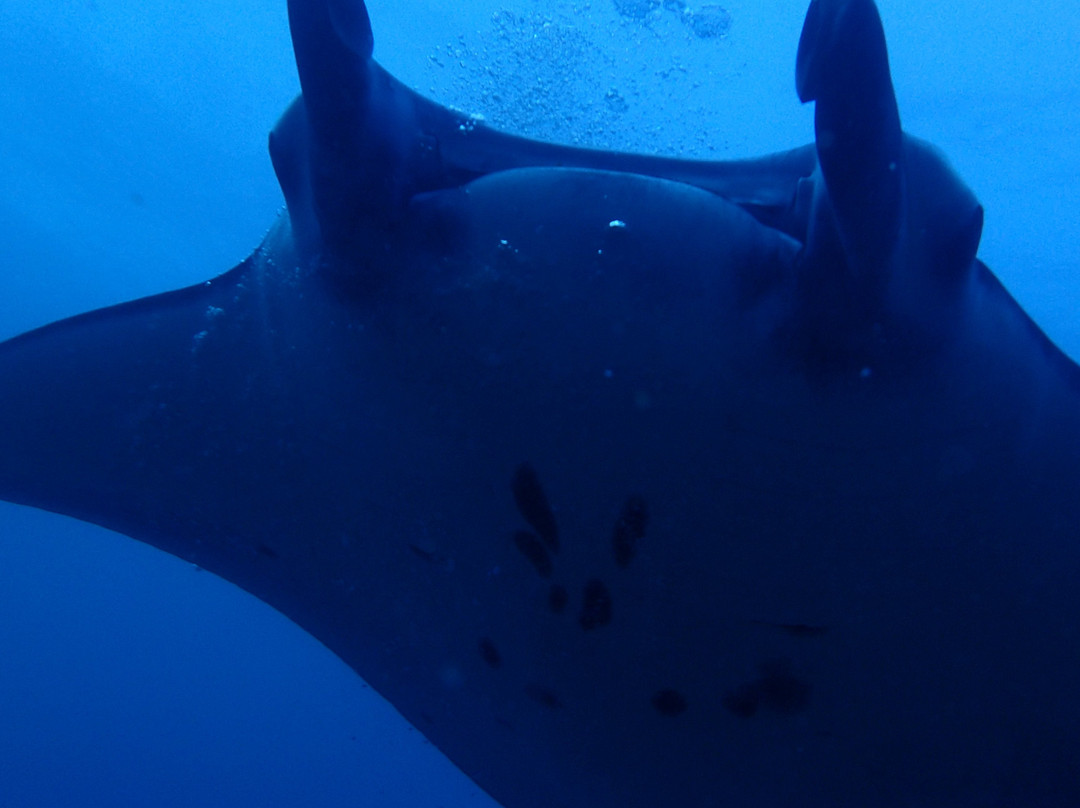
[629, 481]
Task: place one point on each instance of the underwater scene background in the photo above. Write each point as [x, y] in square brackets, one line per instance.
[134, 160]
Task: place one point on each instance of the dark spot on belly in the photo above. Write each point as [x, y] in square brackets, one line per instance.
[777, 689]
[533, 505]
[420, 552]
[669, 702]
[558, 598]
[629, 529]
[543, 695]
[595, 605]
[743, 701]
[265, 550]
[781, 690]
[430, 557]
[489, 653]
[533, 549]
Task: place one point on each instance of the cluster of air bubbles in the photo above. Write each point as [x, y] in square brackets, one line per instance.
[707, 21]
[612, 75]
[534, 73]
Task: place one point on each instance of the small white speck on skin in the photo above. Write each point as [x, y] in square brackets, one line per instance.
[617, 224]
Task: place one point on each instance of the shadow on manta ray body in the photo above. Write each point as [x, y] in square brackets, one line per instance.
[629, 481]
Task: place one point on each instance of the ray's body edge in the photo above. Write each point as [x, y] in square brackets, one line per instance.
[565, 486]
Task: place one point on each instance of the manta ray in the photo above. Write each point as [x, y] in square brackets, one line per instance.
[629, 481]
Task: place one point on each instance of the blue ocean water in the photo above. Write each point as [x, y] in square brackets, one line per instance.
[134, 160]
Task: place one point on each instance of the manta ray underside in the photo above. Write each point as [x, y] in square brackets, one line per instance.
[630, 482]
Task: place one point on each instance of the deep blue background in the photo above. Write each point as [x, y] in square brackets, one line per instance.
[133, 160]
